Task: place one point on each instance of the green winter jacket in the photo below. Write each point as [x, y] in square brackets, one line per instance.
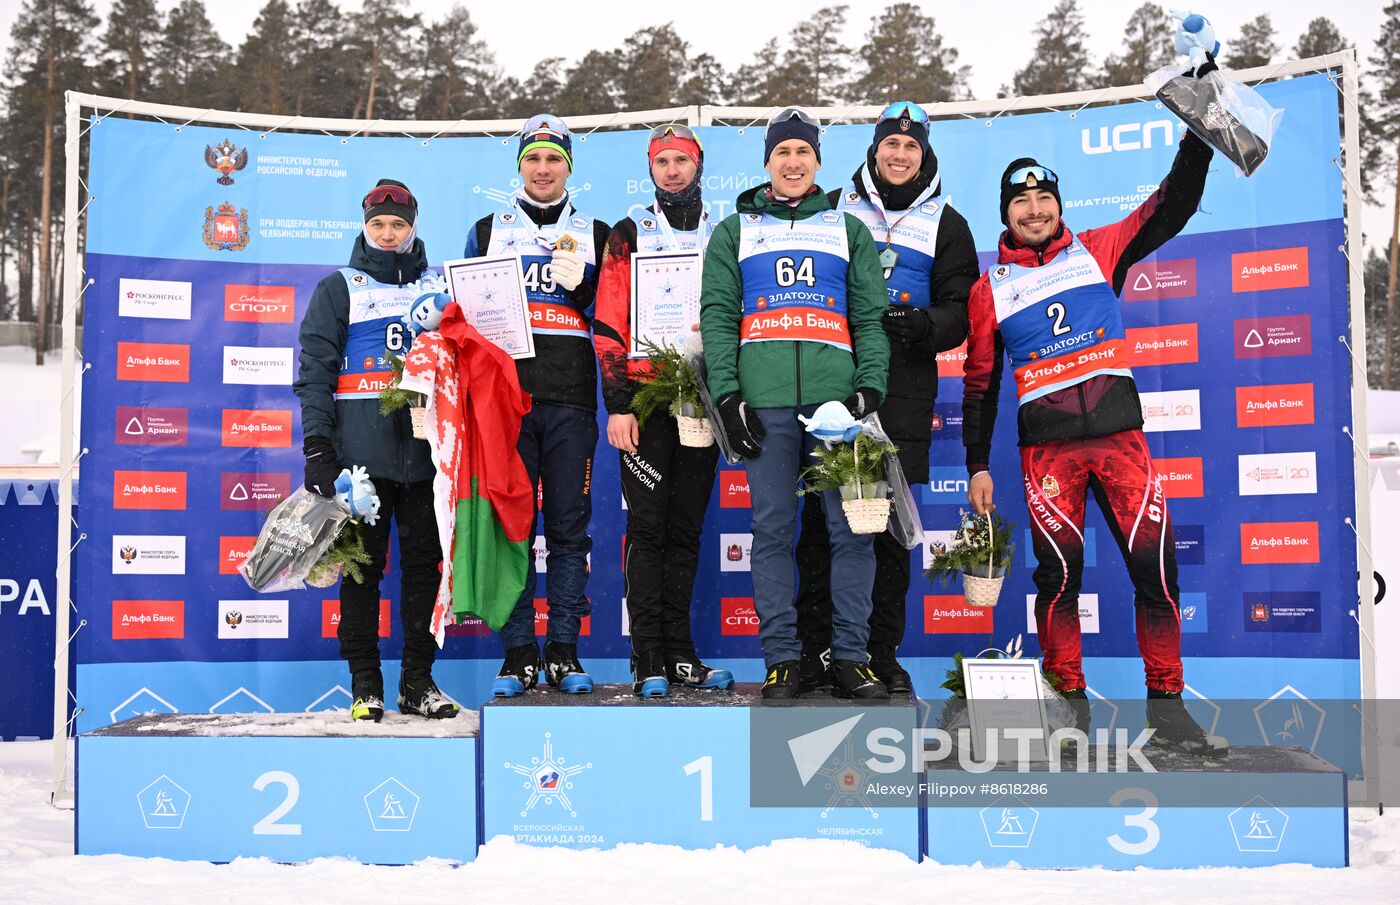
[788, 373]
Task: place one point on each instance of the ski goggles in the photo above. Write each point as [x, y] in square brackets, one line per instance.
[904, 110]
[1024, 175]
[545, 122]
[395, 193]
[788, 113]
[672, 131]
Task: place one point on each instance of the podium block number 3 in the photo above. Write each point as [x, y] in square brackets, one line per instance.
[705, 766]
[269, 826]
[1142, 820]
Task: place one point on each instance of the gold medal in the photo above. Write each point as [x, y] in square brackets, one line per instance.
[566, 243]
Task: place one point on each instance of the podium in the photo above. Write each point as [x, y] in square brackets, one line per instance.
[599, 770]
[1257, 807]
[290, 787]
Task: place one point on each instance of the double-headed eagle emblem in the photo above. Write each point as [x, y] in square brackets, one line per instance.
[226, 157]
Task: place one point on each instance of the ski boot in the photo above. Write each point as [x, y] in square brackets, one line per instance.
[367, 688]
[782, 682]
[519, 672]
[688, 670]
[562, 669]
[420, 696]
[894, 676]
[649, 675]
[1175, 730]
[853, 679]
[815, 670]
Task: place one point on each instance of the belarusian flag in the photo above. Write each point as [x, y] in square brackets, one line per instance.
[481, 494]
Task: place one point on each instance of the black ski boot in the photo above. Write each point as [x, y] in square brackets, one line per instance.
[1175, 730]
[815, 670]
[1078, 699]
[562, 669]
[688, 670]
[894, 676]
[420, 696]
[649, 675]
[367, 688]
[854, 679]
[782, 682]
[519, 673]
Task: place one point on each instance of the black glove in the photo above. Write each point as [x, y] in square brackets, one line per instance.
[863, 403]
[742, 425]
[907, 323]
[1206, 67]
[322, 466]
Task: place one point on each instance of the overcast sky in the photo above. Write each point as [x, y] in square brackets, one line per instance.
[995, 40]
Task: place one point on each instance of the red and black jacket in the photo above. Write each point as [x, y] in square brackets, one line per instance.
[1104, 404]
[612, 314]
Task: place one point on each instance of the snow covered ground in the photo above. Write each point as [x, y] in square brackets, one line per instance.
[36, 868]
[29, 406]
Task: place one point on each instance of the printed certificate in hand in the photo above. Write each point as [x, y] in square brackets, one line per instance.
[491, 294]
[665, 297]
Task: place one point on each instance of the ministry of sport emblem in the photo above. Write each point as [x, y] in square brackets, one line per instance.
[1001, 271]
[128, 554]
[852, 197]
[1049, 486]
[225, 157]
[648, 223]
[227, 228]
[507, 217]
[234, 618]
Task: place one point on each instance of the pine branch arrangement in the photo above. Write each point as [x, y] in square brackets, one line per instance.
[673, 383]
[847, 465]
[393, 397]
[975, 543]
[345, 556]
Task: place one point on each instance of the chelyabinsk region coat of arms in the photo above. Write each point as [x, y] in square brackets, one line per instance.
[227, 228]
[225, 157]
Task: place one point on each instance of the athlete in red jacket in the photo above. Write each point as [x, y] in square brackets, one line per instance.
[1050, 305]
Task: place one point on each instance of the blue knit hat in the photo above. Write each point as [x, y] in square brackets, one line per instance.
[792, 122]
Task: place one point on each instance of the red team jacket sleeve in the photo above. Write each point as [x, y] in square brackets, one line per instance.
[1120, 245]
[981, 375]
[612, 326]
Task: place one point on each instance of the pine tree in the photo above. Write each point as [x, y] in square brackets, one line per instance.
[325, 75]
[264, 68]
[1322, 37]
[705, 82]
[460, 75]
[542, 92]
[52, 47]
[190, 59]
[1255, 46]
[1147, 47]
[593, 85]
[379, 33]
[816, 64]
[653, 66]
[762, 83]
[1385, 119]
[1060, 61]
[1375, 276]
[904, 58]
[133, 30]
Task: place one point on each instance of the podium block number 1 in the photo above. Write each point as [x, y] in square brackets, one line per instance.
[705, 766]
[269, 826]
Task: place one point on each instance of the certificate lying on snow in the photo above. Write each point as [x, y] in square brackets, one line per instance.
[491, 294]
[665, 297]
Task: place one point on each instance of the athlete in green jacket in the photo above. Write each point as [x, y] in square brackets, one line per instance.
[790, 318]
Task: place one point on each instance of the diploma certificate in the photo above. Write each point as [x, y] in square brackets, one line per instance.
[491, 293]
[665, 297]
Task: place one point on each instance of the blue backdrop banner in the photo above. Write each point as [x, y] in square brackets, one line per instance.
[200, 280]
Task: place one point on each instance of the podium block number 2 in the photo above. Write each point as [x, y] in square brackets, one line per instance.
[269, 826]
[705, 766]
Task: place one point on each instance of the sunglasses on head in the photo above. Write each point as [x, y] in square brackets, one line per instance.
[1024, 175]
[545, 122]
[788, 113]
[673, 130]
[397, 194]
[904, 110]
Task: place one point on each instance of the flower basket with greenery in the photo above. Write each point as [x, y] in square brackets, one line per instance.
[981, 552]
[674, 384]
[857, 470]
[394, 397]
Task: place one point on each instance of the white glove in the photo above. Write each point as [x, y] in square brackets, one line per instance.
[566, 269]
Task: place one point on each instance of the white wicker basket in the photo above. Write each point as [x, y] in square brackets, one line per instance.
[867, 516]
[981, 591]
[694, 431]
[419, 415]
